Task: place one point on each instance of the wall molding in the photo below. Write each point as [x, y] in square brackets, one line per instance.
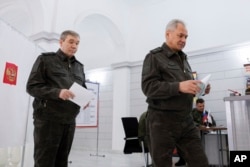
[43, 36]
[218, 49]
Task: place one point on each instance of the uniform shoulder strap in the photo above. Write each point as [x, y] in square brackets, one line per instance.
[79, 62]
[156, 50]
[48, 53]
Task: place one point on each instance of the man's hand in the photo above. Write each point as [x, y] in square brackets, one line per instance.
[189, 86]
[66, 94]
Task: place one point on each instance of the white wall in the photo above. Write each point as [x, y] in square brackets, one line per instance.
[210, 24]
[135, 26]
[14, 101]
[141, 26]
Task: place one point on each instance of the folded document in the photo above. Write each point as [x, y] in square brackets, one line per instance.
[82, 95]
[203, 85]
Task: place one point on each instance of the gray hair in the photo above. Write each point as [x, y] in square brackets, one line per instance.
[173, 24]
[64, 34]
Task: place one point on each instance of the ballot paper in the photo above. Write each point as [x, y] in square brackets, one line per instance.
[82, 95]
[203, 85]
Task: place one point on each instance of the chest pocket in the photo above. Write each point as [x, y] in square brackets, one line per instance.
[57, 70]
[78, 74]
[188, 70]
[173, 66]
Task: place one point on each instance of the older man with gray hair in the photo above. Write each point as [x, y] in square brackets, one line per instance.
[168, 84]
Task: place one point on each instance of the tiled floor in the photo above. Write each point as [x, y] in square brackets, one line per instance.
[106, 159]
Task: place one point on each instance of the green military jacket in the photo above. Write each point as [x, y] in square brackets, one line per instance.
[162, 72]
[50, 73]
[197, 116]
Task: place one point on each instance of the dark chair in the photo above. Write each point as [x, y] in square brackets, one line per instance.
[132, 142]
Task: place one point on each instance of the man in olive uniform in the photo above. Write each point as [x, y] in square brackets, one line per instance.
[168, 84]
[54, 114]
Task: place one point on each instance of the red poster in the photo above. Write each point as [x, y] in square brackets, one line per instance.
[10, 74]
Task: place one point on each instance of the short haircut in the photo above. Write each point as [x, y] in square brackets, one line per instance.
[64, 34]
[200, 100]
[173, 24]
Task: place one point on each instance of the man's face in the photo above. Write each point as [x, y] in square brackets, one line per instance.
[69, 45]
[200, 107]
[176, 39]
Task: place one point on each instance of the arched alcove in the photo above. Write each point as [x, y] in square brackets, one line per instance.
[24, 17]
[17, 18]
[101, 41]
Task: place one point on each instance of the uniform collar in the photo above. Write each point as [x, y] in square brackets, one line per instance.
[169, 52]
[64, 57]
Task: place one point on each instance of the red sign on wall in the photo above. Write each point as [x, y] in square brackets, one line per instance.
[10, 73]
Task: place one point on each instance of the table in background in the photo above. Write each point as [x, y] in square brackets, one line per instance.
[217, 130]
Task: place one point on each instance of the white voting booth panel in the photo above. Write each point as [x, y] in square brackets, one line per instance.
[238, 122]
[14, 101]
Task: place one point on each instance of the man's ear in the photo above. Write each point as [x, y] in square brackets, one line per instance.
[166, 34]
[60, 42]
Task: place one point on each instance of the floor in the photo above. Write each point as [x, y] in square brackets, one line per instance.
[108, 159]
[78, 158]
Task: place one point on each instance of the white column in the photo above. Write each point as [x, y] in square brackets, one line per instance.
[121, 103]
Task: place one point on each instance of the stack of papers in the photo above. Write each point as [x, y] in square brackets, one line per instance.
[203, 85]
[82, 95]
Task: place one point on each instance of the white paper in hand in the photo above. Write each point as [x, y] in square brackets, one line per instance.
[203, 85]
[82, 95]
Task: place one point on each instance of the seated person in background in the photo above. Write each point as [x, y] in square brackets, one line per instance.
[142, 132]
[142, 129]
[201, 116]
